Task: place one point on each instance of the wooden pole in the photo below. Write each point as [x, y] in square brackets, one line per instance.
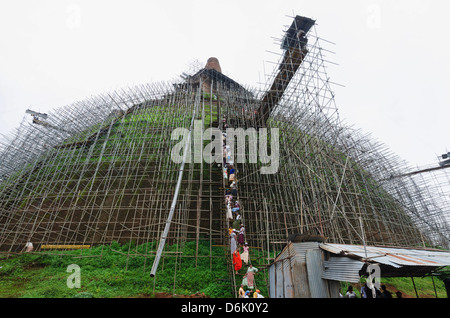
[175, 197]
[412, 278]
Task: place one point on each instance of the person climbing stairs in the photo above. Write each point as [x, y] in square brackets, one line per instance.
[234, 219]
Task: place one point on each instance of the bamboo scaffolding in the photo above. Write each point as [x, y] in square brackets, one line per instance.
[106, 174]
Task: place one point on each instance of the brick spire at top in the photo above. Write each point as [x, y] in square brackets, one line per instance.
[213, 63]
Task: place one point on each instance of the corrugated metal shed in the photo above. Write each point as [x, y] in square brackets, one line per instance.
[313, 269]
[288, 274]
[296, 272]
[395, 257]
[394, 262]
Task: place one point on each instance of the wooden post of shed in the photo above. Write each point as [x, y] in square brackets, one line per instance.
[434, 286]
[412, 278]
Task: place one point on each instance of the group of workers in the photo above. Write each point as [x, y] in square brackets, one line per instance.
[238, 246]
[367, 292]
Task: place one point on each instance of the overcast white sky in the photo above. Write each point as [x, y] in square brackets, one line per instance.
[393, 56]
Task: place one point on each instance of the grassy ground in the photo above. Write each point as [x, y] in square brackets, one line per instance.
[112, 275]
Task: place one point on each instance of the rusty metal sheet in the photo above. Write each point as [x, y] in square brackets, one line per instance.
[272, 282]
[314, 266]
[342, 269]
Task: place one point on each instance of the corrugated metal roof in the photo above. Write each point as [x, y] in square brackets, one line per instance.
[396, 257]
